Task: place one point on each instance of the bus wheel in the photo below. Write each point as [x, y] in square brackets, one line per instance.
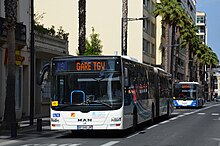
[152, 114]
[135, 120]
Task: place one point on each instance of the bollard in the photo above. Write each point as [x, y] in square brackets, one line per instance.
[39, 124]
[13, 129]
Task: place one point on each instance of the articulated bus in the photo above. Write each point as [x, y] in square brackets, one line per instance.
[188, 94]
[106, 92]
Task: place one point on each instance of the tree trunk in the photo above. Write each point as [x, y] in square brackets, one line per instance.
[166, 47]
[210, 82]
[198, 71]
[187, 62]
[172, 68]
[82, 26]
[10, 15]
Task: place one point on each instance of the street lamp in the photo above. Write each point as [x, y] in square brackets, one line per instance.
[124, 32]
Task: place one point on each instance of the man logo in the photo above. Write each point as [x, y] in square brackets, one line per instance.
[84, 120]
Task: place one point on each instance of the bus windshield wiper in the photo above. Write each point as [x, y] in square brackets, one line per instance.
[100, 102]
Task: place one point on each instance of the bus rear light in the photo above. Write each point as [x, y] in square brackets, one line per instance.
[55, 125]
[115, 125]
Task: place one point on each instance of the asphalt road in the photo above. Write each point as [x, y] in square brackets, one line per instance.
[185, 127]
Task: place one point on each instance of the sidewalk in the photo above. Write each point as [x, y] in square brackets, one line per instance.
[25, 127]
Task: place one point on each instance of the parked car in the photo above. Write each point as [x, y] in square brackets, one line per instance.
[217, 99]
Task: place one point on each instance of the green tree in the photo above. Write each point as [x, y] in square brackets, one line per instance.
[211, 60]
[93, 44]
[187, 33]
[11, 17]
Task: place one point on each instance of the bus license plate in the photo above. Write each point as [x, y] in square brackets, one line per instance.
[84, 127]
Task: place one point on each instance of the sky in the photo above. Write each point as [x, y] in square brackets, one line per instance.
[212, 10]
[63, 13]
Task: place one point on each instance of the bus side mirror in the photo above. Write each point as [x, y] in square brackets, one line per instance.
[126, 78]
[45, 69]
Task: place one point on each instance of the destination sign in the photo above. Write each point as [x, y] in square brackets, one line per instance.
[90, 65]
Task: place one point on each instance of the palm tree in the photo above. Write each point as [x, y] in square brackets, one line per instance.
[180, 25]
[11, 16]
[165, 10]
[187, 33]
[177, 13]
[82, 26]
[211, 60]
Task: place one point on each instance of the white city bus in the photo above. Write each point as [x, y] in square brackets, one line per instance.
[188, 94]
[84, 96]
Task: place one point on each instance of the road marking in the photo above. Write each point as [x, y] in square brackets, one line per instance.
[9, 142]
[189, 113]
[175, 113]
[180, 116]
[201, 113]
[110, 143]
[4, 137]
[153, 126]
[215, 114]
[174, 118]
[132, 135]
[164, 122]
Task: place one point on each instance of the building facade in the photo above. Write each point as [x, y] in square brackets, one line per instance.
[106, 18]
[201, 25]
[46, 47]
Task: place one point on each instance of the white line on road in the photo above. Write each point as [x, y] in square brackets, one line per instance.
[153, 126]
[9, 142]
[174, 118]
[201, 113]
[133, 135]
[110, 143]
[215, 114]
[164, 122]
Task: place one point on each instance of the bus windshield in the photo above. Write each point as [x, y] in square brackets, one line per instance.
[185, 91]
[88, 89]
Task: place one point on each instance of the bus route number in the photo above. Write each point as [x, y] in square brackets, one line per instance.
[88, 66]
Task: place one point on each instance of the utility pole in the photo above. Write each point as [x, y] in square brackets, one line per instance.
[32, 72]
[124, 25]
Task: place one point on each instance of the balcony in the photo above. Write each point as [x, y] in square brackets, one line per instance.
[20, 34]
[49, 46]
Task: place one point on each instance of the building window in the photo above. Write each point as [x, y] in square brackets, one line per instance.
[146, 46]
[200, 19]
[153, 50]
[153, 30]
[146, 26]
[146, 4]
[201, 29]
[152, 7]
